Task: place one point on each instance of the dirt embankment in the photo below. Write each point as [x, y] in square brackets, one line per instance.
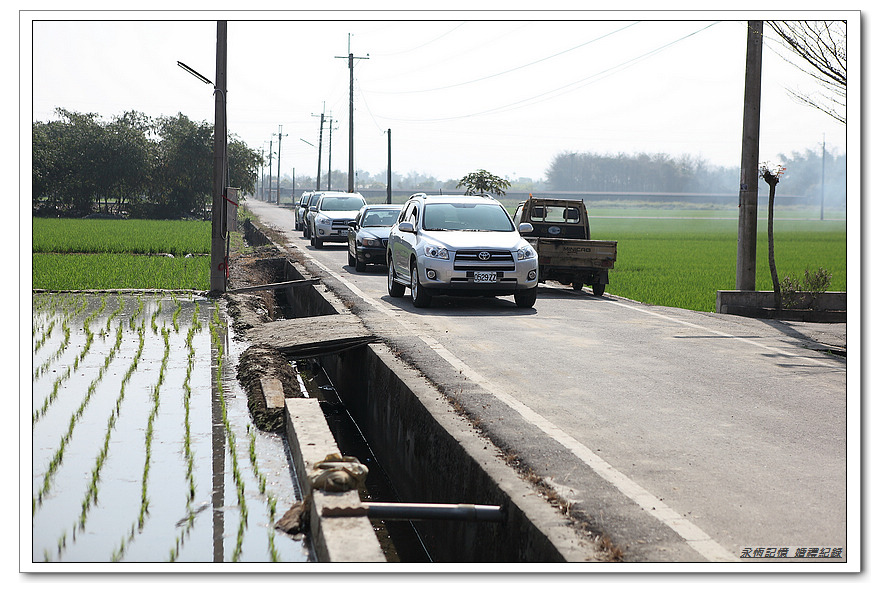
[258, 362]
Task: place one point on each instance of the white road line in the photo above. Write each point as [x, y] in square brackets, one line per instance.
[695, 537]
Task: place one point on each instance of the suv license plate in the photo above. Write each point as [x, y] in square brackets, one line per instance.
[485, 277]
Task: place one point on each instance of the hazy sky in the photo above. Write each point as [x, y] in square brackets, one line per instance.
[460, 91]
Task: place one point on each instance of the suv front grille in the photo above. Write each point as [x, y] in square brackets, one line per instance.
[484, 260]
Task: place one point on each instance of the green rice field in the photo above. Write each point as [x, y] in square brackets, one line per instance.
[681, 261]
[79, 254]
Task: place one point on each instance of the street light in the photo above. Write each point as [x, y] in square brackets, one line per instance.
[219, 233]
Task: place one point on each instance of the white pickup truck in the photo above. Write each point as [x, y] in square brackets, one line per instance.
[561, 236]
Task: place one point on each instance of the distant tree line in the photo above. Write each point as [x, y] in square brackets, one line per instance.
[661, 173]
[131, 165]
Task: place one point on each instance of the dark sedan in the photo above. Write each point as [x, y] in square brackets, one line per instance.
[368, 234]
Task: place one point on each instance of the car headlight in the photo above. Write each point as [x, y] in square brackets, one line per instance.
[321, 219]
[371, 242]
[525, 253]
[436, 252]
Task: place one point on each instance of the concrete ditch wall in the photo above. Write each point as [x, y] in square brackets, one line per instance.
[433, 455]
[826, 307]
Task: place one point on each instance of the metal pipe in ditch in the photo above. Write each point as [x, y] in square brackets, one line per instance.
[398, 511]
[419, 511]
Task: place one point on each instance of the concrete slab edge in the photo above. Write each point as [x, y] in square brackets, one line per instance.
[335, 539]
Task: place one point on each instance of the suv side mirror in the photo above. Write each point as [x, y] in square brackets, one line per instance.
[352, 224]
[313, 208]
[406, 227]
[526, 227]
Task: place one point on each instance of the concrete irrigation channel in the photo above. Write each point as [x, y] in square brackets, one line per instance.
[447, 493]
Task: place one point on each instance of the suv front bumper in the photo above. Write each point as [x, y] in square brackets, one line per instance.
[453, 276]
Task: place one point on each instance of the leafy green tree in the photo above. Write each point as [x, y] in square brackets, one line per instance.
[482, 182]
[184, 179]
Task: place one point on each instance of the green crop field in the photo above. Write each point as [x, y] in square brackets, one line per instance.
[681, 262]
[71, 254]
[67, 235]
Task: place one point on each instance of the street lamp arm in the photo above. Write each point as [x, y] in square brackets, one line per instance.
[194, 73]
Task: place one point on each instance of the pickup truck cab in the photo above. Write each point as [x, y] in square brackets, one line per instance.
[560, 235]
[464, 245]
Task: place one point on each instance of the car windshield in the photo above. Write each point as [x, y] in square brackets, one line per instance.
[466, 217]
[380, 218]
[333, 204]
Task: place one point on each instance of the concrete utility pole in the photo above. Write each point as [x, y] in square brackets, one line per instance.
[748, 183]
[218, 204]
[269, 197]
[329, 152]
[320, 139]
[262, 174]
[278, 182]
[351, 59]
[388, 184]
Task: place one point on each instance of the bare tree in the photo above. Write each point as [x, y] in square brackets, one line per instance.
[821, 45]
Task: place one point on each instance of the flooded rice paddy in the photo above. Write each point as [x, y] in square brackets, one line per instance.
[143, 449]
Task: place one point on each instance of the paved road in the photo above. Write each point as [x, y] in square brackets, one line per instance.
[684, 436]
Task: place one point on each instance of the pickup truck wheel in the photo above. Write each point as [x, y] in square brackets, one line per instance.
[598, 290]
[394, 289]
[526, 298]
[420, 296]
[577, 286]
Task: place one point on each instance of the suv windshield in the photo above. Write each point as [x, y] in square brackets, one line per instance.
[466, 217]
[332, 204]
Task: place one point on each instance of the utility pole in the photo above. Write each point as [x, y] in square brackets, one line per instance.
[330, 152]
[388, 184]
[822, 204]
[320, 139]
[278, 182]
[262, 174]
[270, 172]
[351, 59]
[748, 182]
[218, 204]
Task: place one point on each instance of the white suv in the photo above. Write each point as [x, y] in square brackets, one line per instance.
[328, 219]
[460, 245]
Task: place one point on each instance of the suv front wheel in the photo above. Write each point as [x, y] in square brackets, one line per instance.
[526, 298]
[420, 295]
[394, 289]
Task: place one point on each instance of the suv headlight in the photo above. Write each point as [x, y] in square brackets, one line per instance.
[371, 242]
[436, 252]
[321, 219]
[525, 253]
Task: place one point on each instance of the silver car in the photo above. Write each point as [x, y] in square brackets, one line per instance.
[300, 210]
[328, 219]
[464, 245]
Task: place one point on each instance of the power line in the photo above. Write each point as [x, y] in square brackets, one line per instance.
[481, 79]
[560, 90]
[459, 25]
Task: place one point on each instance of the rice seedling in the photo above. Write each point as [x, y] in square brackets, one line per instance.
[195, 327]
[71, 368]
[58, 456]
[91, 495]
[216, 328]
